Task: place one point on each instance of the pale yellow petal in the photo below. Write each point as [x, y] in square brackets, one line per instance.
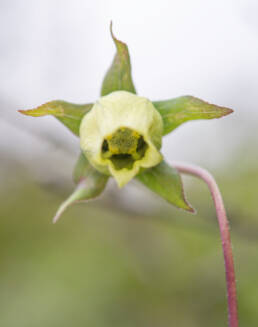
[107, 120]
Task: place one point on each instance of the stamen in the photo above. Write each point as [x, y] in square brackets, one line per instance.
[124, 147]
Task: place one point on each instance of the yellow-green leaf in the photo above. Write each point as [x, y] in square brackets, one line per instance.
[165, 181]
[88, 188]
[82, 169]
[119, 75]
[69, 114]
[182, 109]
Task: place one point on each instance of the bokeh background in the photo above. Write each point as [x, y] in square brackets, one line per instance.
[127, 259]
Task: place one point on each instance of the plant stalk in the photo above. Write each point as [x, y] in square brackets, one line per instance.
[224, 234]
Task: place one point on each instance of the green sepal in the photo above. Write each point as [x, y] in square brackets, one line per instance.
[182, 109]
[118, 77]
[88, 188]
[82, 169]
[69, 114]
[165, 181]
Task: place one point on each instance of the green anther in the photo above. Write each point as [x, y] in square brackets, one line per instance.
[123, 147]
[123, 141]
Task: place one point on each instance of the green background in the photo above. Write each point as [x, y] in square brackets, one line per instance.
[104, 264]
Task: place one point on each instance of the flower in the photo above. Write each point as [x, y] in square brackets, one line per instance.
[121, 134]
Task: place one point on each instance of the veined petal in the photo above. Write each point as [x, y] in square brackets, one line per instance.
[91, 138]
[123, 176]
[124, 109]
[152, 157]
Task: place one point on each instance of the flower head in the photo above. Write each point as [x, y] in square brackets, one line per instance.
[121, 134]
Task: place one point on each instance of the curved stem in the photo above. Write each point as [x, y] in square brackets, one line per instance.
[224, 234]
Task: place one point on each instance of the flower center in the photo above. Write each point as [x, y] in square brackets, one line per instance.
[124, 147]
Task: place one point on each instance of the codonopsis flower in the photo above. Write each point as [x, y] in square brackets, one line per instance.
[121, 135]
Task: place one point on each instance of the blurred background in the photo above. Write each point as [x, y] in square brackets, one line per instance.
[128, 259]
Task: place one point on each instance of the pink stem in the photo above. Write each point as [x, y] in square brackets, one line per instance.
[224, 234]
